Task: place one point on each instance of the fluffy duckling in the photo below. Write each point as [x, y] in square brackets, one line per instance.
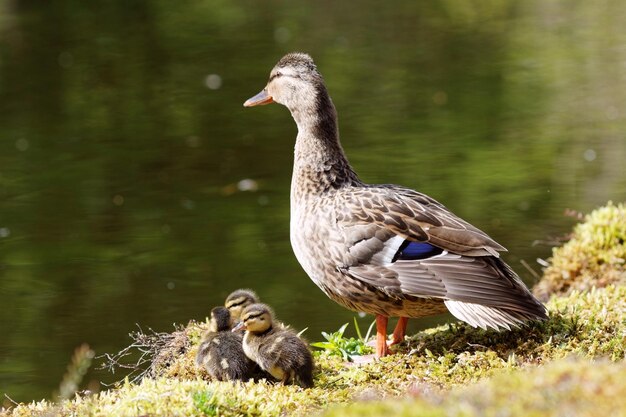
[238, 300]
[221, 352]
[276, 349]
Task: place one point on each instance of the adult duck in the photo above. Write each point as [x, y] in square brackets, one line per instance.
[383, 249]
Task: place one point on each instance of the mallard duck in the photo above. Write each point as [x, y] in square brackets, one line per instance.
[221, 351]
[238, 300]
[276, 349]
[385, 250]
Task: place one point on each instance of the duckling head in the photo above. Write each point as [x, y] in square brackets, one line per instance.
[238, 300]
[294, 82]
[257, 318]
[220, 320]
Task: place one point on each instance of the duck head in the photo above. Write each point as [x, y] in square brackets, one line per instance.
[220, 320]
[294, 82]
[256, 318]
[238, 300]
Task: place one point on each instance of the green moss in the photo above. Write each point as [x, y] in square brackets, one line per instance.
[595, 256]
[444, 359]
[566, 387]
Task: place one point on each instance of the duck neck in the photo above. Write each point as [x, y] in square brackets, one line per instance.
[319, 160]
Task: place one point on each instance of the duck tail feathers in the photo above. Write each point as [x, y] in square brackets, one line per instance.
[477, 315]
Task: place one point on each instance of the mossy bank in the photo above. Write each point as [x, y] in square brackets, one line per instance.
[572, 364]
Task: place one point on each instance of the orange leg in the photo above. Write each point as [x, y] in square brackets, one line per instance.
[399, 331]
[381, 336]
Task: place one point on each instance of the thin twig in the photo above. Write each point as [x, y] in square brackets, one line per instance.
[529, 268]
[154, 350]
[11, 399]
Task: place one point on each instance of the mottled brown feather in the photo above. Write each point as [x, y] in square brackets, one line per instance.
[417, 217]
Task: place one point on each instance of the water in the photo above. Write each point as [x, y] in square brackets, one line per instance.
[123, 144]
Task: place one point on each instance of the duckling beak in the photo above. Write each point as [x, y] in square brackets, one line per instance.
[239, 326]
[259, 100]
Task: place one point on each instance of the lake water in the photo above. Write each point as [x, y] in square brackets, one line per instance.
[135, 188]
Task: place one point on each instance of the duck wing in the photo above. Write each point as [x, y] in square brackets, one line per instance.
[416, 217]
[405, 243]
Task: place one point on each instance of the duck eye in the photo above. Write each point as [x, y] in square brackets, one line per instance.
[278, 74]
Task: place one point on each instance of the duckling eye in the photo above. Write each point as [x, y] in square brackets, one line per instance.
[278, 74]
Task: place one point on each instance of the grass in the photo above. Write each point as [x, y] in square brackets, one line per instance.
[572, 364]
[346, 347]
[76, 370]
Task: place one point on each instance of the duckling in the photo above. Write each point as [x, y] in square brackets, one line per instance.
[278, 350]
[221, 352]
[238, 300]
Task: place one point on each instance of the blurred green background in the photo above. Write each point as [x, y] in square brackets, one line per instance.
[124, 143]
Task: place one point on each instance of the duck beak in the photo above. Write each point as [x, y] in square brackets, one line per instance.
[240, 325]
[259, 100]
